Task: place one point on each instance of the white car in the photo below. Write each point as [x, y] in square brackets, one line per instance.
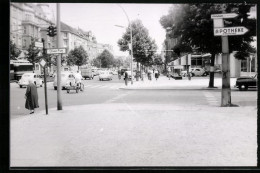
[194, 72]
[105, 75]
[198, 72]
[65, 79]
[24, 81]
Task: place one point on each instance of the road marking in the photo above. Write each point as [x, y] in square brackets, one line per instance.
[211, 99]
[116, 98]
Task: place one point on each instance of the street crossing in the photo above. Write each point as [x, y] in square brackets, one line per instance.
[211, 99]
[97, 85]
[105, 86]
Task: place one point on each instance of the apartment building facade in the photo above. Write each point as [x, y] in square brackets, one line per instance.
[29, 22]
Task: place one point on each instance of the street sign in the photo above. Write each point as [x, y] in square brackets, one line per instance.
[238, 30]
[42, 62]
[38, 44]
[225, 16]
[56, 51]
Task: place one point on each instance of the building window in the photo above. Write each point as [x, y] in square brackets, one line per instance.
[196, 61]
[244, 65]
[65, 35]
[24, 29]
[65, 43]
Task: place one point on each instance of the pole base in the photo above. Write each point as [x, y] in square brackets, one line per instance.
[230, 105]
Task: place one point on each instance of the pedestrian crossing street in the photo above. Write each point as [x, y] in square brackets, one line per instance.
[212, 100]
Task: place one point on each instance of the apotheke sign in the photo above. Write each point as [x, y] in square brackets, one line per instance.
[225, 16]
[239, 30]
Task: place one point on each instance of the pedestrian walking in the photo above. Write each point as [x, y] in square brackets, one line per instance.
[119, 74]
[31, 97]
[126, 78]
[150, 75]
[156, 74]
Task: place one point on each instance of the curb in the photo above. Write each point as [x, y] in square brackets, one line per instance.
[175, 88]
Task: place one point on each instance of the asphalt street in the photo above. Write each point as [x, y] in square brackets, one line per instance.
[100, 92]
[108, 126]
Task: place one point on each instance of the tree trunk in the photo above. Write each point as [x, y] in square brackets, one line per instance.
[211, 74]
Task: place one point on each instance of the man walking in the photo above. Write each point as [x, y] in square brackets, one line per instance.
[126, 78]
[31, 97]
[156, 74]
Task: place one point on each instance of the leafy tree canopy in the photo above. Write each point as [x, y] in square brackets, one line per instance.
[14, 51]
[106, 59]
[32, 54]
[143, 46]
[77, 56]
[192, 23]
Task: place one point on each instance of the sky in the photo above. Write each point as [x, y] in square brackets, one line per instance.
[101, 18]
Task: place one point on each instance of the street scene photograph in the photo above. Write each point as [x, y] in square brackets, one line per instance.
[133, 85]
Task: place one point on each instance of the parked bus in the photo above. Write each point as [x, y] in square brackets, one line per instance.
[18, 68]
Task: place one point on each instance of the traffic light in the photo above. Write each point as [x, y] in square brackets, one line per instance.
[50, 31]
[54, 31]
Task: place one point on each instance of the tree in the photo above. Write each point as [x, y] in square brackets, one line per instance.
[106, 59]
[14, 51]
[32, 54]
[192, 23]
[118, 62]
[77, 56]
[157, 60]
[143, 46]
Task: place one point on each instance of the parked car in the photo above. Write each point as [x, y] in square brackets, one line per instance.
[87, 73]
[245, 82]
[24, 81]
[105, 75]
[198, 72]
[65, 79]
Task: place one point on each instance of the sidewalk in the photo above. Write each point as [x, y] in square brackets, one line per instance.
[123, 134]
[164, 83]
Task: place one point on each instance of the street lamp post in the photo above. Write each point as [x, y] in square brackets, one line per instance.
[131, 46]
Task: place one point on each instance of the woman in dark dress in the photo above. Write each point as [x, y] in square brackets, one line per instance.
[31, 97]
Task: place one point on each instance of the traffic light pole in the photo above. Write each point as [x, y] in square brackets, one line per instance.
[59, 101]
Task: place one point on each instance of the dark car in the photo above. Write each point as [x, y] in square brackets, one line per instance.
[245, 82]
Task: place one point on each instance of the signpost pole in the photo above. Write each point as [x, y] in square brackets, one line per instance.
[219, 30]
[59, 101]
[45, 86]
[45, 90]
[226, 91]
